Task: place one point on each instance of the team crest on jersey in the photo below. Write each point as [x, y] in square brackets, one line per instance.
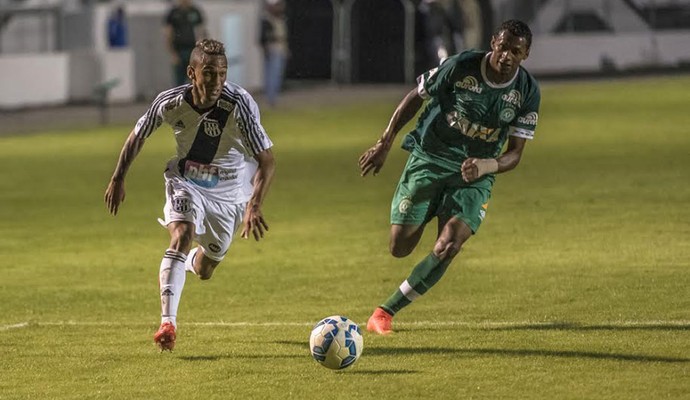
[212, 128]
[507, 114]
[513, 97]
[529, 119]
[225, 105]
[469, 83]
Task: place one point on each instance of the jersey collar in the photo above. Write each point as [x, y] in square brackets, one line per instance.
[485, 61]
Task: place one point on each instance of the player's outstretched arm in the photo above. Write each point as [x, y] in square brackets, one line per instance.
[475, 168]
[115, 193]
[254, 222]
[374, 158]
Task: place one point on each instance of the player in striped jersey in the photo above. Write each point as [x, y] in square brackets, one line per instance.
[218, 179]
[477, 102]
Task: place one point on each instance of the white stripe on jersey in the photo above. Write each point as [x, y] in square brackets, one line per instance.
[149, 121]
[248, 119]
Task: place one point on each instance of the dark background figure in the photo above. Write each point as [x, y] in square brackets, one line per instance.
[443, 26]
[274, 41]
[117, 28]
[184, 25]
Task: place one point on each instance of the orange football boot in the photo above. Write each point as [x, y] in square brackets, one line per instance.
[165, 337]
[380, 322]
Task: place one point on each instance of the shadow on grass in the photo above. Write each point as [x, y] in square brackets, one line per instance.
[396, 351]
[571, 326]
[383, 372]
[239, 357]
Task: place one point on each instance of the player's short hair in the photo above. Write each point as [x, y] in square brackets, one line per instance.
[206, 47]
[516, 28]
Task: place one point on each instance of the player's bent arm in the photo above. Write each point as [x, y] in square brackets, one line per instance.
[405, 111]
[475, 168]
[263, 177]
[115, 193]
[254, 222]
[511, 157]
[130, 150]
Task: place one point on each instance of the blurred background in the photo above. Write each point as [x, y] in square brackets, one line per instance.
[101, 53]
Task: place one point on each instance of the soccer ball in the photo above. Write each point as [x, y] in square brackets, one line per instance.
[336, 342]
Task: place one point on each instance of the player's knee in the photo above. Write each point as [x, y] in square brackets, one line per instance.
[400, 249]
[447, 249]
[205, 275]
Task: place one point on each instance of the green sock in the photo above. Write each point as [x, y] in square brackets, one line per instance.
[424, 275]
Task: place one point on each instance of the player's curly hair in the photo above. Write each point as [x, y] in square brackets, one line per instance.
[516, 28]
[206, 47]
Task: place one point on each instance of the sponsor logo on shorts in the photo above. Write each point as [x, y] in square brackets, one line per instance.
[405, 205]
[181, 205]
[214, 247]
[469, 83]
[529, 119]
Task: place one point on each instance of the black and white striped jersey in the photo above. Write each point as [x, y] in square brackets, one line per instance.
[215, 147]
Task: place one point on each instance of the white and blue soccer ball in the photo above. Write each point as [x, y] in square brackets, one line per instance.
[336, 342]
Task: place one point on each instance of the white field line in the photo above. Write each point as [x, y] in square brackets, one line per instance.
[15, 326]
[462, 324]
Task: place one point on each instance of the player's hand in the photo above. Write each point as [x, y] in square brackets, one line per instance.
[253, 222]
[474, 168]
[115, 195]
[373, 159]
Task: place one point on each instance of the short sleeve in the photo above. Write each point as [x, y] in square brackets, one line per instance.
[153, 117]
[248, 119]
[430, 83]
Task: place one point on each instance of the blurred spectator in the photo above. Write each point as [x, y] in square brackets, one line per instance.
[184, 25]
[443, 28]
[117, 28]
[274, 42]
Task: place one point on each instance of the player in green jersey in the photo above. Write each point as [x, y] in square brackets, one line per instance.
[476, 102]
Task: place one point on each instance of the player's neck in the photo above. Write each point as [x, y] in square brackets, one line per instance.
[496, 77]
[198, 102]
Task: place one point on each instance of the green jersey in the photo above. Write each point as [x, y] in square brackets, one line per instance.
[467, 115]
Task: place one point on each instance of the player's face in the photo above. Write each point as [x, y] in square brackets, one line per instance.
[508, 51]
[208, 77]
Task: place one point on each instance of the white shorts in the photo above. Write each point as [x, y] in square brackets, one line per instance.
[215, 222]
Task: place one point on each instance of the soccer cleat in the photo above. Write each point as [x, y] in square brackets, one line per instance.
[380, 322]
[165, 337]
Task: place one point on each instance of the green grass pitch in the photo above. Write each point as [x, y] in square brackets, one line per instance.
[576, 285]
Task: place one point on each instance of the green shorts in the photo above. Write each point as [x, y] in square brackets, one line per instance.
[427, 190]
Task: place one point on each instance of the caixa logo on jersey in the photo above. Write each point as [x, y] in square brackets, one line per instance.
[212, 128]
[203, 175]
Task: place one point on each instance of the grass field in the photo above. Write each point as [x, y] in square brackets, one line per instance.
[576, 286]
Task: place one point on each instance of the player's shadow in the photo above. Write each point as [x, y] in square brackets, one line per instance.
[474, 352]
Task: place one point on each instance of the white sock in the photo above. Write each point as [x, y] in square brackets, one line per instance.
[189, 264]
[171, 280]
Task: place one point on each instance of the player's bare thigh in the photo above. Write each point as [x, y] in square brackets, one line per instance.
[404, 239]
